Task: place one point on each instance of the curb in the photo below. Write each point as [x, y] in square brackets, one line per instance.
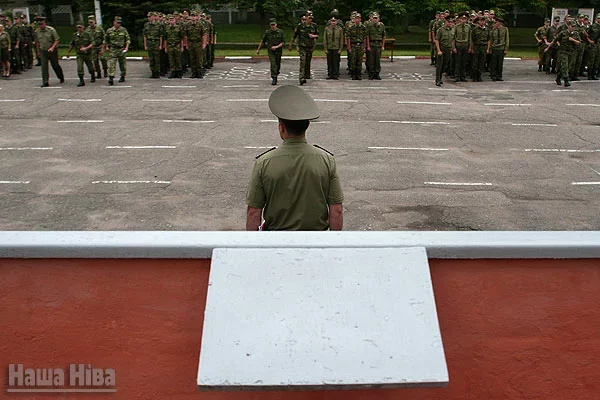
[233, 58]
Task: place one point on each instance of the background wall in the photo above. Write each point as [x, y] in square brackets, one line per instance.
[512, 329]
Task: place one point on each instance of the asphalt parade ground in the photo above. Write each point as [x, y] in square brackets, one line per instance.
[176, 154]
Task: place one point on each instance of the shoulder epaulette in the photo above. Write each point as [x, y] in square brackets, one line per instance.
[265, 152]
[325, 150]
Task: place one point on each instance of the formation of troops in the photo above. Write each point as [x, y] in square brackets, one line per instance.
[468, 44]
[360, 39]
[570, 48]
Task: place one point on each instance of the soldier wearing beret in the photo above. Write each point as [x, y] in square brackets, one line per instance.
[295, 186]
[274, 40]
[116, 42]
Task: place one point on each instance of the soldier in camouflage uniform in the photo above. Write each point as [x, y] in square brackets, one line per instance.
[551, 49]
[97, 54]
[274, 40]
[480, 38]
[116, 42]
[307, 34]
[588, 48]
[356, 42]
[197, 38]
[567, 41]
[174, 37]
[594, 61]
[153, 42]
[540, 36]
[375, 44]
[15, 38]
[83, 42]
[579, 48]
[27, 45]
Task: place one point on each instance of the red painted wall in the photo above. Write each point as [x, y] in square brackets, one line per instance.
[512, 329]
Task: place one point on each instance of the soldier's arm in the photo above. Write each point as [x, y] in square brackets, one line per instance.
[145, 43]
[127, 40]
[70, 48]
[253, 218]
[383, 37]
[336, 217]
[260, 45]
[507, 42]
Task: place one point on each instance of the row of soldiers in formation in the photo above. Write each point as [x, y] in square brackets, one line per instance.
[17, 44]
[468, 44]
[358, 37]
[569, 49]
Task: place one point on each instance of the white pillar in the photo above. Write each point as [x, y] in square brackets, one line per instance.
[98, 12]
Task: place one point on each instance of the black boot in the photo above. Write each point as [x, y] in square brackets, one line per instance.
[93, 78]
[122, 78]
[567, 83]
[111, 80]
[558, 82]
[99, 75]
[105, 74]
[81, 82]
[180, 74]
[274, 81]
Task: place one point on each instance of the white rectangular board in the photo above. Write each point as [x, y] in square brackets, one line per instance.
[337, 318]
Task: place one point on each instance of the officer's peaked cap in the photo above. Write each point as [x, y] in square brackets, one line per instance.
[292, 103]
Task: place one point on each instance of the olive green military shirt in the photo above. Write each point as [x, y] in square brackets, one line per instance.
[499, 38]
[445, 36]
[117, 38]
[80, 40]
[376, 32]
[273, 38]
[4, 40]
[98, 33]
[295, 184]
[462, 35]
[567, 45]
[333, 37]
[46, 37]
[480, 36]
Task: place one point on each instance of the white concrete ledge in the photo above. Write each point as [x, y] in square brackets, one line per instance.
[200, 244]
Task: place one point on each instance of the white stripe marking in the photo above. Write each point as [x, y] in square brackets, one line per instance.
[432, 103]
[585, 183]
[566, 90]
[25, 148]
[238, 57]
[179, 86]
[241, 86]
[339, 101]
[368, 87]
[561, 151]
[312, 122]
[510, 90]
[506, 104]
[449, 90]
[534, 125]
[416, 122]
[90, 121]
[140, 147]
[408, 148]
[247, 100]
[14, 182]
[186, 121]
[513, 58]
[119, 87]
[16, 100]
[79, 99]
[259, 147]
[49, 87]
[458, 184]
[584, 105]
[131, 182]
[168, 100]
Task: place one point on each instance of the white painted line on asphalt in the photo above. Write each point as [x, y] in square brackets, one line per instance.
[449, 90]
[140, 147]
[185, 121]
[458, 183]
[48, 87]
[259, 147]
[534, 125]
[238, 57]
[134, 58]
[290, 57]
[168, 100]
[561, 151]
[89, 121]
[131, 182]
[118, 87]
[567, 90]
[416, 122]
[246, 100]
[505, 104]
[320, 122]
[241, 86]
[405, 57]
[268, 120]
[25, 148]
[408, 148]
[431, 103]
[513, 58]
[16, 100]
[584, 105]
[312, 122]
[368, 87]
[14, 182]
[585, 183]
[179, 86]
[337, 101]
[79, 100]
[511, 90]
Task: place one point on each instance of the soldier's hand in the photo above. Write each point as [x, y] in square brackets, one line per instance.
[339, 52]
[257, 51]
[439, 53]
[325, 51]
[146, 48]
[454, 51]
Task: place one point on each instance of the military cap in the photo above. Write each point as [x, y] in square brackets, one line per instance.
[447, 12]
[169, 16]
[79, 24]
[335, 12]
[479, 17]
[40, 19]
[586, 17]
[598, 15]
[581, 16]
[438, 12]
[150, 13]
[557, 18]
[357, 15]
[570, 23]
[175, 12]
[333, 19]
[272, 21]
[118, 19]
[546, 19]
[91, 17]
[375, 14]
[292, 103]
[464, 14]
[492, 12]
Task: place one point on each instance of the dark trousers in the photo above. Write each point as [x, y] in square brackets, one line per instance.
[460, 65]
[479, 53]
[275, 61]
[53, 58]
[496, 64]
[333, 64]
[154, 56]
[442, 63]
[305, 61]
[374, 61]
